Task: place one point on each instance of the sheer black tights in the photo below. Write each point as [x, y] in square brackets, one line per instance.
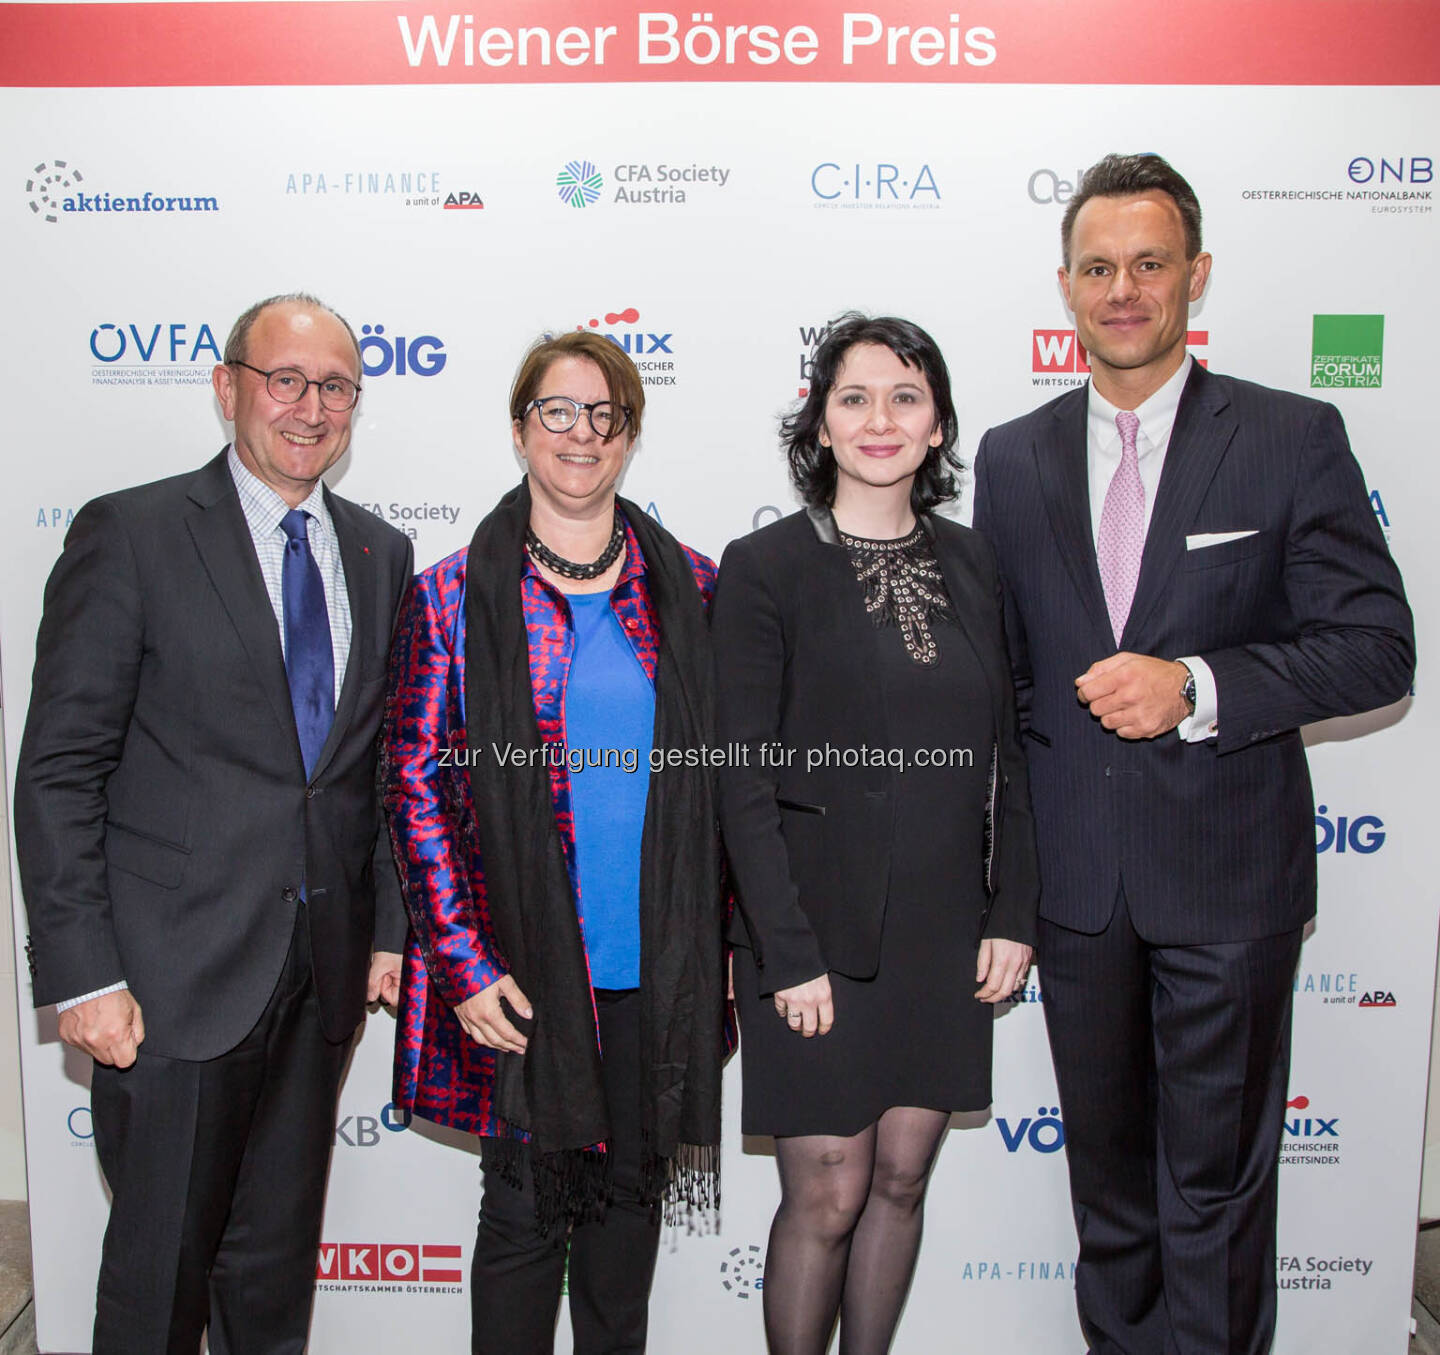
[847, 1232]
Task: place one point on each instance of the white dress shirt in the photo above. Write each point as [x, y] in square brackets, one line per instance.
[1102, 459]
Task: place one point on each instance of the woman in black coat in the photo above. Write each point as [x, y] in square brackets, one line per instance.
[878, 828]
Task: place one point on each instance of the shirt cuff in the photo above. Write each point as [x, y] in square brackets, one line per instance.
[1205, 722]
[99, 992]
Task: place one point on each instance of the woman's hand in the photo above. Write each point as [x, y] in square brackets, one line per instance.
[807, 1008]
[1001, 968]
[485, 1021]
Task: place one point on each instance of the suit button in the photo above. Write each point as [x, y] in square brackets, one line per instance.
[1107, 771]
[289, 894]
[309, 792]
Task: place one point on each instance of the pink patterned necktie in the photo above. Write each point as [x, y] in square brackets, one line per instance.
[1122, 527]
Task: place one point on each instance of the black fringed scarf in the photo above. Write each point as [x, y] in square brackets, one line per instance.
[551, 1099]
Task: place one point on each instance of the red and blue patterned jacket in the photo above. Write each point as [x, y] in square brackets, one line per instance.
[450, 955]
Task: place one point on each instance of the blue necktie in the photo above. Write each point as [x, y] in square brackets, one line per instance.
[309, 662]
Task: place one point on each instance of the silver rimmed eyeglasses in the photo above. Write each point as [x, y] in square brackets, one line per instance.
[288, 385]
[559, 413]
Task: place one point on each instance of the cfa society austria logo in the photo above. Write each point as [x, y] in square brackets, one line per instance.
[579, 183]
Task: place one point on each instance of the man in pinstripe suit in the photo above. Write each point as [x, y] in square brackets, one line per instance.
[1193, 572]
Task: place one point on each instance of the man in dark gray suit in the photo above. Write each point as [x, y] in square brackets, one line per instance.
[199, 841]
[1192, 572]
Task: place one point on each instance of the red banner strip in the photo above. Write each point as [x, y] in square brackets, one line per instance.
[375, 42]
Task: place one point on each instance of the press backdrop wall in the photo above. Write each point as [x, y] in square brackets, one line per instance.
[710, 203]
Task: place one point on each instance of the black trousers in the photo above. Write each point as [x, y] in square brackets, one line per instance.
[517, 1274]
[1172, 1064]
[217, 1170]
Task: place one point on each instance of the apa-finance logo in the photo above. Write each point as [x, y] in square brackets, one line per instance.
[868, 185]
[651, 350]
[389, 1267]
[579, 183]
[742, 1273]
[56, 189]
[1308, 1138]
[1347, 351]
[153, 353]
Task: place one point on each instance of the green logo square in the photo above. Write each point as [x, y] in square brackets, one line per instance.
[1347, 350]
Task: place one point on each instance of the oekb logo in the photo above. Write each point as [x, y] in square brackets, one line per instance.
[1044, 1131]
[381, 355]
[363, 1131]
[1364, 834]
[389, 1262]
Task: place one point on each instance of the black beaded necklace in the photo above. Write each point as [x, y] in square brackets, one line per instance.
[568, 568]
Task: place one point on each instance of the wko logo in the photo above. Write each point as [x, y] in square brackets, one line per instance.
[878, 185]
[389, 1263]
[50, 191]
[1057, 351]
[652, 353]
[1045, 1133]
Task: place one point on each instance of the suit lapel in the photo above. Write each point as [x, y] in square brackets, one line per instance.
[222, 539]
[360, 588]
[1204, 427]
[1061, 458]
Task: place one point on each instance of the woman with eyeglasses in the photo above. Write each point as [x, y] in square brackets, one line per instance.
[879, 834]
[563, 988]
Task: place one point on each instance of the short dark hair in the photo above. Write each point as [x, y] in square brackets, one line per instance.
[812, 466]
[1123, 176]
[621, 379]
[239, 339]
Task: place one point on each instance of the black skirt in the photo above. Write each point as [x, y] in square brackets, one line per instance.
[914, 1034]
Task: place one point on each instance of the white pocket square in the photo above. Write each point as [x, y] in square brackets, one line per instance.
[1202, 539]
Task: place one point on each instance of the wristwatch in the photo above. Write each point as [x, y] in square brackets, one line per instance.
[1187, 691]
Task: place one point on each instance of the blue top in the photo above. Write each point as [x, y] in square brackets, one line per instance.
[610, 723]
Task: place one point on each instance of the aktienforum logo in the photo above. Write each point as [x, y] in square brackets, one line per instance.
[1347, 350]
[579, 183]
[52, 184]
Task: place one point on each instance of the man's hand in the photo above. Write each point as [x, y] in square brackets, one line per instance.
[485, 1021]
[1134, 695]
[109, 1028]
[807, 1007]
[1001, 968]
[384, 983]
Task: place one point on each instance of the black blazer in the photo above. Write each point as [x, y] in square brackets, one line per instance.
[809, 851]
[162, 814]
[1302, 620]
